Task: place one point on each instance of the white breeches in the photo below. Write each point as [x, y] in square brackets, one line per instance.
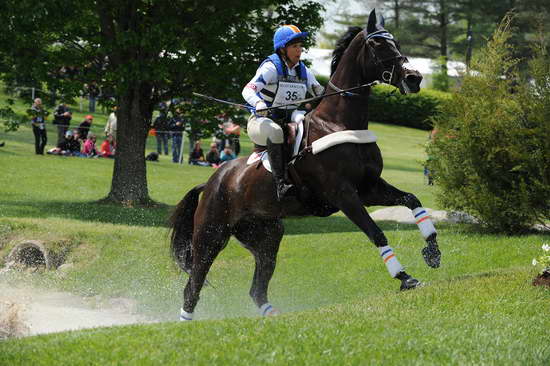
[261, 128]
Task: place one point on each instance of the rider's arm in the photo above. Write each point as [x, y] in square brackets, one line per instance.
[266, 74]
[313, 86]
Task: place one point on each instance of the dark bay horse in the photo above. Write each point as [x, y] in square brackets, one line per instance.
[240, 199]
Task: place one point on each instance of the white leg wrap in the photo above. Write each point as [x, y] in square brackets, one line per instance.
[268, 310]
[185, 316]
[423, 221]
[389, 258]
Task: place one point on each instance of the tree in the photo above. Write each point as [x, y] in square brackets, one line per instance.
[144, 52]
[491, 154]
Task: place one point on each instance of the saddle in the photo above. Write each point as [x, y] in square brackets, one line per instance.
[294, 138]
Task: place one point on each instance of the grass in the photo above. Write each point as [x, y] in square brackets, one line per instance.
[339, 304]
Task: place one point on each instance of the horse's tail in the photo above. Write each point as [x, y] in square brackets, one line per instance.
[181, 223]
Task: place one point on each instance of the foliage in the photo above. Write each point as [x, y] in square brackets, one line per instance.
[542, 262]
[491, 154]
[141, 54]
[440, 79]
[387, 105]
[11, 119]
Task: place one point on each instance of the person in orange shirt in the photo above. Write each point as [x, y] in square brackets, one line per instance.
[107, 148]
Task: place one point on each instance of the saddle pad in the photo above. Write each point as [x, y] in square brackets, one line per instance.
[342, 137]
[257, 156]
[325, 142]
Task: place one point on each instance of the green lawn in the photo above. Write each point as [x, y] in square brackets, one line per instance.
[339, 304]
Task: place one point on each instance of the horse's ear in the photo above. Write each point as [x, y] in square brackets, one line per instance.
[382, 21]
[371, 24]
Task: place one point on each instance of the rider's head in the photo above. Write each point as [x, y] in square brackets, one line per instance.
[287, 42]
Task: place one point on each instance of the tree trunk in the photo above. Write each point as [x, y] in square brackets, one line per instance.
[129, 184]
[396, 10]
[443, 25]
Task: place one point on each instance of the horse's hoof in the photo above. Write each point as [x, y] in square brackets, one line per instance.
[409, 284]
[269, 310]
[432, 256]
[185, 316]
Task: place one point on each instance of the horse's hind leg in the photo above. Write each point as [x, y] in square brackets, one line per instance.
[262, 237]
[208, 241]
[384, 194]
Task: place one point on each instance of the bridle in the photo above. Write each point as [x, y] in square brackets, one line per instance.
[386, 75]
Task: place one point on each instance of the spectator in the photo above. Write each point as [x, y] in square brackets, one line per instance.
[62, 118]
[107, 148]
[196, 157]
[110, 127]
[227, 154]
[74, 144]
[38, 121]
[93, 93]
[162, 133]
[67, 146]
[213, 156]
[231, 133]
[85, 126]
[89, 149]
[176, 127]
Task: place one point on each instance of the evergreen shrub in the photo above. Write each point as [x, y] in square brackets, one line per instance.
[491, 154]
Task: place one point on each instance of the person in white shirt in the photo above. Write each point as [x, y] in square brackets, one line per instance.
[281, 79]
[110, 127]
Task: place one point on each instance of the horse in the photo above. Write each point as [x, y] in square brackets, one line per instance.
[240, 199]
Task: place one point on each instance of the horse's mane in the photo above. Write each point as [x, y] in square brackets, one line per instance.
[341, 46]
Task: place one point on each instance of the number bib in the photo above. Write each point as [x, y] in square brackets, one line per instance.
[288, 92]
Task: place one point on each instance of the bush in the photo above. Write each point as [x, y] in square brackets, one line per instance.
[388, 105]
[491, 154]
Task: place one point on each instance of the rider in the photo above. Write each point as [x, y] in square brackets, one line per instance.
[281, 79]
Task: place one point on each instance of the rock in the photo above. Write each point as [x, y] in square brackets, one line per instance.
[403, 215]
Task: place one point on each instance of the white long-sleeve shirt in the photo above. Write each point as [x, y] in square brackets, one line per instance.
[267, 74]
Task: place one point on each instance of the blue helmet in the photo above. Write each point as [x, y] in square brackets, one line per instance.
[285, 34]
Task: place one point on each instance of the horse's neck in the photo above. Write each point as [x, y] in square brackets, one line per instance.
[346, 112]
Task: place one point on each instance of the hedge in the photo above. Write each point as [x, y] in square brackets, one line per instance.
[388, 105]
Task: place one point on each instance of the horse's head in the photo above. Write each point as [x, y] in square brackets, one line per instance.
[384, 52]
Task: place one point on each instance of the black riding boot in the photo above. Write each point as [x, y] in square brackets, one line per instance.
[278, 168]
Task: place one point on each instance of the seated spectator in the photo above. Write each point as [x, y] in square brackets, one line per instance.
[74, 144]
[196, 157]
[213, 156]
[67, 146]
[89, 149]
[85, 126]
[227, 154]
[107, 148]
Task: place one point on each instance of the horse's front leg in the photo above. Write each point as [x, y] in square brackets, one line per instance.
[349, 202]
[384, 194]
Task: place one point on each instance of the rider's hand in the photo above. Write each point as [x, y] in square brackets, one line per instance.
[259, 106]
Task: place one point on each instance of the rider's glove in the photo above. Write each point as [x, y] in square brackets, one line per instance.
[259, 106]
[297, 116]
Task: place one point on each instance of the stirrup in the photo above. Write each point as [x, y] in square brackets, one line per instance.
[285, 190]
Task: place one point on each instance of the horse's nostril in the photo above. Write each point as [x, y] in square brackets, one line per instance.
[413, 78]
